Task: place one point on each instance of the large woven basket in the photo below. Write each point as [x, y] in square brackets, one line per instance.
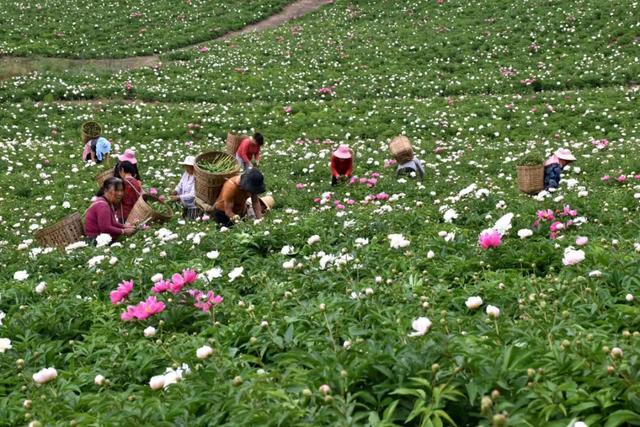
[531, 178]
[233, 142]
[103, 176]
[401, 149]
[142, 211]
[208, 185]
[63, 233]
[91, 130]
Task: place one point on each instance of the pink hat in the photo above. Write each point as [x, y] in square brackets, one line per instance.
[343, 152]
[565, 154]
[128, 156]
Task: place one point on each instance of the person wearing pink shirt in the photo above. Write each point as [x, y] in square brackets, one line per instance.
[101, 216]
[249, 151]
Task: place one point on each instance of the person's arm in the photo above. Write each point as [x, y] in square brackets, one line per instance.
[257, 156]
[350, 169]
[419, 168]
[228, 208]
[257, 206]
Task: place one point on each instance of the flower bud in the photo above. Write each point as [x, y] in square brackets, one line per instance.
[499, 420]
[325, 389]
[485, 405]
[237, 380]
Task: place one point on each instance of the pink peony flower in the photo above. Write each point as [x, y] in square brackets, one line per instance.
[490, 239]
[288, 109]
[153, 191]
[204, 49]
[300, 186]
[546, 215]
[189, 276]
[567, 211]
[556, 226]
[581, 240]
[177, 283]
[161, 286]
[121, 292]
[204, 301]
[382, 196]
[621, 178]
[605, 178]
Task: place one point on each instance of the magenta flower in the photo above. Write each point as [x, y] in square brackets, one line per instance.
[389, 162]
[177, 283]
[490, 239]
[121, 292]
[153, 191]
[161, 286]
[546, 215]
[143, 310]
[556, 226]
[300, 186]
[621, 178]
[567, 211]
[382, 196]
[353, 180]
[204, 49]
[605, 178]
[189, 276]
[204, 301]
[317, 200]
[288, 109]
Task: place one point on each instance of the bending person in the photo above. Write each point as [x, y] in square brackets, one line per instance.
[231, 204]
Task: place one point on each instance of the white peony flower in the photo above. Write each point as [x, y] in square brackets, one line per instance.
[99, 379]
[397, 241]
[45, 375]
[288, 265]
[595, 273]
[430, 254]
[629, 297]
[5, 344]
[214, 273]
[493, 311]
[572, 257]
[450, 215]
[149, 331]
[235, 273]
[524, 233]
[473, 302]
[213, 255]
[420, 326]
[156, 382]
[20, 275]
[204, 352]
[313, 239]
[287, 250]
[103, 239]
[156, 277]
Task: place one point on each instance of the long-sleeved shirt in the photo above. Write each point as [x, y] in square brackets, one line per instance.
[552, 174]
[186, 190]
[132, 192]
[101, 218]
[341, 166]
[248, 149]
[414, 164]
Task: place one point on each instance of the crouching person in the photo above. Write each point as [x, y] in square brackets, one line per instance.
[101, 216]
[231, 203]
[413, 166]
[185, 191]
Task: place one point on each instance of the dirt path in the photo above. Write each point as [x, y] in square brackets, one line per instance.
[14, 66]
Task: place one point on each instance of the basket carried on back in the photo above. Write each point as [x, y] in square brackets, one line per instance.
[531, 178]
[233, 142]
[103, 176]
[91, 130]
[63, 233]
[401, 149]
[208, 184]
[143, 211]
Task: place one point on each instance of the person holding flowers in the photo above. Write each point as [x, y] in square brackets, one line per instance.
[553, 167]
[101, 216]
[341, 163]
[231, 204]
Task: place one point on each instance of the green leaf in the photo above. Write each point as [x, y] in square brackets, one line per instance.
[622, 416]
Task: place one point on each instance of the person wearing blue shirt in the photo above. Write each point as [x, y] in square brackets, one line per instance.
[96, 149]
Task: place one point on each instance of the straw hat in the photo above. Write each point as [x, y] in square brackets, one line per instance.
[189, 161]
[343, 152]
[128, 156]
[565, 154]
[253, 181]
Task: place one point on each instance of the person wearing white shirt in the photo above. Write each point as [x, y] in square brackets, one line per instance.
[185, 191]
[412, 166]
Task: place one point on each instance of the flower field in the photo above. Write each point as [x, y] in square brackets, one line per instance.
[456, 300]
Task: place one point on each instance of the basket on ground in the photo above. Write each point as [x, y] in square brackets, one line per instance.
[63, 233]
[531, 178]
[209, 184]
[103, 176]
[91, 130]
[401, 149]
[143, 211]
[233, 142]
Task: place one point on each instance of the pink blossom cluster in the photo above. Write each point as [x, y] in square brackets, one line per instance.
[620, 179]
[507, 72]
[177, 282]
[328, 90]
[123, 290]
[600, 144]
[143, 310]
[389, 163]
[490, 239]
[370, 181]
[204, 301]
[128, 86]
[556, 219]
[528, 82]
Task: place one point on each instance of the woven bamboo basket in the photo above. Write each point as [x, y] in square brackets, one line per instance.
[401, 149]
[142, 211]
[233, 142]
[91, 130]
[531, 178]
[208, 185]
[63, 233]
[103, 176]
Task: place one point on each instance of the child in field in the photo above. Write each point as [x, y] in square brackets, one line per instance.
[341, 163]
[554, 165]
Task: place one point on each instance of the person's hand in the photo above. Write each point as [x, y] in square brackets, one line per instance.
[128, 230]
[235, 218]
[174, 197]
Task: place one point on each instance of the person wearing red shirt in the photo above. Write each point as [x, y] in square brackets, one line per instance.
[132, 190]
[341, 163]
[249, 150]
[101, 216]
